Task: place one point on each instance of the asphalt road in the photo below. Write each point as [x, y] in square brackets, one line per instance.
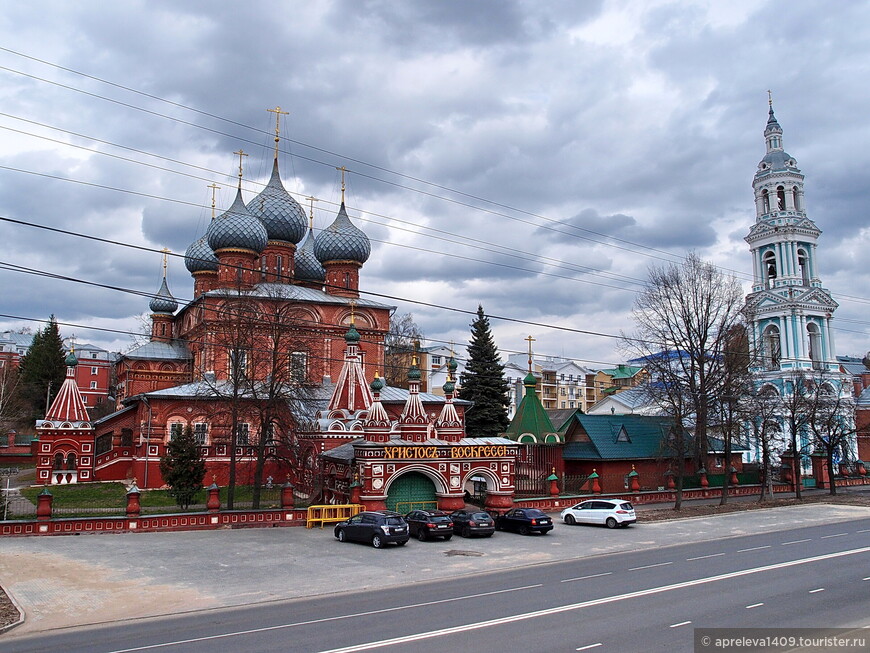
[644, 600]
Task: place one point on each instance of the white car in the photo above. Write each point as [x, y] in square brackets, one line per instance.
[610, 512]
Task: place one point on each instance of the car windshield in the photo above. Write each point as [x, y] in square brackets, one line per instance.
[439, 519]
[482, 516]
[626, 506]
[395, 521]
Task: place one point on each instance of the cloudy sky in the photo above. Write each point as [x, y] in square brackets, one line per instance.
[532, 157]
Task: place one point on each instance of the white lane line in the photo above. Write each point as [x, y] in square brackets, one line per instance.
[568, 580]
[682, 623]
[754, 548]
[712, 555]
[866, 530]
[821, 589]
[825, 537]
[326, 619]
[754, 605]
[586, 604]
[588, 646]
[868, 578]
[796, 542]
[660, 564]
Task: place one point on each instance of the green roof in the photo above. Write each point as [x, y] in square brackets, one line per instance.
[616, 437]
[623, 371]
[530, 418]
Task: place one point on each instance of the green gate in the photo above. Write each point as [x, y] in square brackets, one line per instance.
[411, 491]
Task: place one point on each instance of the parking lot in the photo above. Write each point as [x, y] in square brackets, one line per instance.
[136, 575]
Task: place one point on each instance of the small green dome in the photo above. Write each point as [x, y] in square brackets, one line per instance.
[352, 335]
[377, 385]
[448, 387]
[71, 360]
[530, 380]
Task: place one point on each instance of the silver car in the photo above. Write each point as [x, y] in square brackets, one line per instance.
[610, 512]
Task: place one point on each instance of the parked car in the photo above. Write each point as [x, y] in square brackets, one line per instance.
[524, 521]
[610, 512]
[425, 524]
[377, 527]
[468, 523]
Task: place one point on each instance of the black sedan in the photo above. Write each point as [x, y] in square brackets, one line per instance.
[468, 523]
[426, 524]
[524, 521]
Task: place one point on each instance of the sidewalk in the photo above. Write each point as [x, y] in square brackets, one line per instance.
[133, 575]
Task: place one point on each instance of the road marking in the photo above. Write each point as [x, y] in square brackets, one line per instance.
[868, 578]
[754, 548]
[866, 530]
[682, 623]
[325, 619]
[825, 537]
[821, 589]
[661, 564]
[594, 602]
[568, 580]
[712, 555]
[754, 605]
[796, 542]
[588, 646]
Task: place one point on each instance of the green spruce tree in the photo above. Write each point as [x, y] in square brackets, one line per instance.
[483, 383]
[183, 468]
[42, 371]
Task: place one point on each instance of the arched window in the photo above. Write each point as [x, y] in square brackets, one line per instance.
[71, 462]
[279, 267]
[803, 267]
[780, 198]
[772, 348]
[795, 198]
[765, 201]
[815, 345]
[347, 280]
[58, 460]
[769, 264]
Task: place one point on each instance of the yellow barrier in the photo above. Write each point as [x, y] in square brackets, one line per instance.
[331, 514]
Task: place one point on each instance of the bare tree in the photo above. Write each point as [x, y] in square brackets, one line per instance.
[12, 409]
[761, 412]
[830, 420]
[794, 408]
[399, 348]
[685, 317]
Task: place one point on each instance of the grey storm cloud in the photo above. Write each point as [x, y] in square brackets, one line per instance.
[575, 144]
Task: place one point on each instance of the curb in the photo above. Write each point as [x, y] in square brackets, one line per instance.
[21, 615]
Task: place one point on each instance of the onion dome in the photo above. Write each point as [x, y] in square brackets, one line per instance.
[448, 387]
[377, 385]
[199, 257]
[530, 380]
[282, 216]
[306, 266]
[163, 301]
[352, 336]
[342, 241]
[237, 229]
[772, 125]
[414, 371]
[71, 360]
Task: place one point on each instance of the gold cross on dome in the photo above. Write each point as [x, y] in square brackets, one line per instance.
[213, 187]
[352, 308]
[166, 251]
[278, 113]
[240, 154]
[343, 170]
[311, 199]
[531, 340]
[769, 98]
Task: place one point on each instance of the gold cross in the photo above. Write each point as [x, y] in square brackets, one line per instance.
[165, 251]
[531, 340]
[769, 98]
[240, 154]
[352, 307]
[343, 170]
[213, 187]
[311, 200]
[278, 113]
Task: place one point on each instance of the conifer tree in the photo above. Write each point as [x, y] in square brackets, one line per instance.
[183, 467]
[42, 371]
[483, 383]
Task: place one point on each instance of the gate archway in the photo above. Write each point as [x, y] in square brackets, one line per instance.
[411, 491]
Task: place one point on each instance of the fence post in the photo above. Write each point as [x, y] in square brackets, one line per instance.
[554, 487]
[596, 486]
[734, 480]
[214, 497]
[635, 484]
[133, 507]
[287, 500]
[43, 507]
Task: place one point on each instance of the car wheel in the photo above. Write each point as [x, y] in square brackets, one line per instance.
[465, 532]
[447, 537]
[377, 542]
[524, 530]
[611, 522]
[569, 519]
[340, 536]
[421, 535]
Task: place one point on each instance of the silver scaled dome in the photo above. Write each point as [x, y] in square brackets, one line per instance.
[306, 266]
[200, 258]
[163, 301]
[237, 229]
[342, 241]
[282, 216]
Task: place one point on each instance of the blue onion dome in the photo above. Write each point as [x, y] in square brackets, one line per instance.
[342, 241]
[71, 360]
[200, 258]
[282, 216]
[377, 385]
[163, 301]
[306, 266]
[237, 229]
[352, 336]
